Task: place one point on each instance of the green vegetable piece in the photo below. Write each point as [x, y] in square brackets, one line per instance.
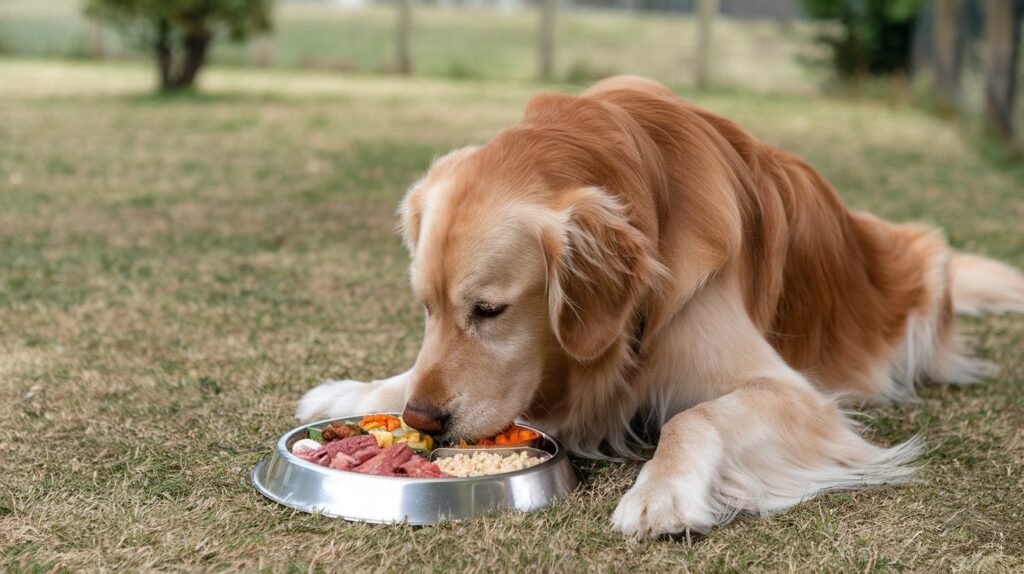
[418, 446]
[315, 434]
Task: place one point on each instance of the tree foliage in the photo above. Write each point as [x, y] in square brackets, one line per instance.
[874, 36]
[180, 31]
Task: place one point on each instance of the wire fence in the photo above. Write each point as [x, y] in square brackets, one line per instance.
[476, 40]
[760, 45]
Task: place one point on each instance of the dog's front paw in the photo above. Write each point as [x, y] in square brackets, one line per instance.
[331, 399]
[657, 506]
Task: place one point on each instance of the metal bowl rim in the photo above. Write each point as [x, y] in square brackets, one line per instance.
[282, 448]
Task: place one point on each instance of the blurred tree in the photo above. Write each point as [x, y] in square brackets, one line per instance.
[1002, 34]
[875, 35]
[180, 31]
[948, 52]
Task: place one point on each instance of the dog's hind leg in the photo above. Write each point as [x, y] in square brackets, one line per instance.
[932, 349]
[975, 285]
[333, 399]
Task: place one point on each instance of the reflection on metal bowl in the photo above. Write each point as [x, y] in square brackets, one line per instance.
[293, 482]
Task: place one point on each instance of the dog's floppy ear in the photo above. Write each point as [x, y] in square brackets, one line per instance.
[410, 211]
[410, 214]
[599, 266]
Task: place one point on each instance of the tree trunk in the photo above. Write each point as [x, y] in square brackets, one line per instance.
[947, 52]
[922, 60]
[548, 13]
[164, 54]
[1002, 34]
[180, 75]
[405, 36]
[706, 10]
[196, 44]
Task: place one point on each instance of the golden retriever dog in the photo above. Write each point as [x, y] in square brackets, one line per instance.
[632, 274]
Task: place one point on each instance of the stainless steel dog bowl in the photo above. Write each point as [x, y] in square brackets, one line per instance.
[293, 482]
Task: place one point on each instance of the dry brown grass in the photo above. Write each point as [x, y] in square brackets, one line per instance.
[175, 272]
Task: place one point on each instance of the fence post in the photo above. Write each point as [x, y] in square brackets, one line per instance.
[706, 10]
[405, 36]
[97, 42]
[549, 11]
[947, 52]
[263, 51]
[1002, 34]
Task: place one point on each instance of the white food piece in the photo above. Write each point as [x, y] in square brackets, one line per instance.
[482, 463]
[305, 444]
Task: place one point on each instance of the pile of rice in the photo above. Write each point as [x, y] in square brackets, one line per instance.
[482, 463]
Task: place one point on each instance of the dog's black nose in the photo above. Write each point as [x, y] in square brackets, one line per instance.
[425, 418]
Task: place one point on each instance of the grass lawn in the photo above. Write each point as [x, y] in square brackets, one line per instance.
[465, 43]
[175, 272]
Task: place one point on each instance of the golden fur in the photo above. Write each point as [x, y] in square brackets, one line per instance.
[650, 269]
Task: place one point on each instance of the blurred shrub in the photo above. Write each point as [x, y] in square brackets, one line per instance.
[583, 72]
[873, 37]
[459, 70]
[180, 31]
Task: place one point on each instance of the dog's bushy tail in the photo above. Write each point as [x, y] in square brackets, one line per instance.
[982, 285]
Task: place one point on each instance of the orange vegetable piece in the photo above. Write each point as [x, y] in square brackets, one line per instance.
[380, 421]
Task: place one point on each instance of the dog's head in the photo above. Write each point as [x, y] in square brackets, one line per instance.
[528, 254]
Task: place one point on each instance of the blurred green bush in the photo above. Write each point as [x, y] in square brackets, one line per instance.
[871, 37]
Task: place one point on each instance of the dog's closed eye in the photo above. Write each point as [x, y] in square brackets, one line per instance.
[488, 310]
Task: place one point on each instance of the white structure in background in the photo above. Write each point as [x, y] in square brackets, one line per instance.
[349, 3]
[753, 9]
[504, 5]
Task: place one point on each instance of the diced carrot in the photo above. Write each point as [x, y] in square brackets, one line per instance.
[393, 424]
[501, 439]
